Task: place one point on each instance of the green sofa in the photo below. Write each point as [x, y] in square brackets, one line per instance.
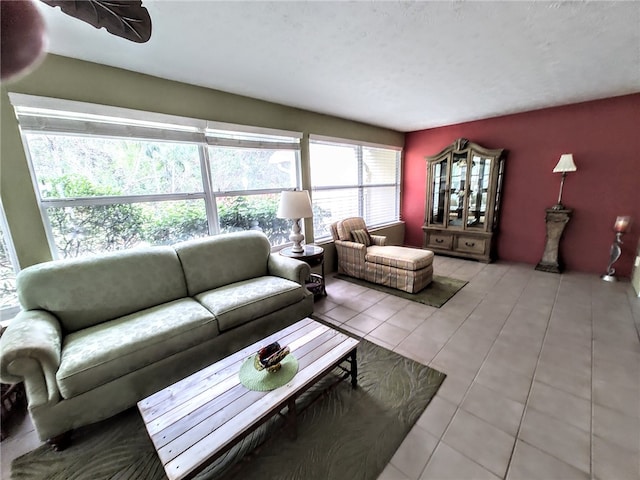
[98, 334]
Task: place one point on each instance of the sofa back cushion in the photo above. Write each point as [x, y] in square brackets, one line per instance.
[212, 262]
[86, 291]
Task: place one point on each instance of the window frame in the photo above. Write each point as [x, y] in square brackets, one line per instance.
[361, 187]
[42, 115]
[7, 313]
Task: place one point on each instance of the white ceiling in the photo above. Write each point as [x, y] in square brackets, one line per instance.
[401, 65]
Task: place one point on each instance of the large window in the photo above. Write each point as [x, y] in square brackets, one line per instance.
[8, 270]
[246, 182]
[111, 181]
[350, 179]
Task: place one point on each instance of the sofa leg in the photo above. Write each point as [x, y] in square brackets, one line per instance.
[60, 442]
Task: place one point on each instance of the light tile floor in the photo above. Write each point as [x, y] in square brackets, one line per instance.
[543, 374]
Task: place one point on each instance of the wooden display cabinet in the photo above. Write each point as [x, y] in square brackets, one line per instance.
[464, 183]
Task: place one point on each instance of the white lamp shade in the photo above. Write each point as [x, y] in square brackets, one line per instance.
[294, 204]
[565, 164]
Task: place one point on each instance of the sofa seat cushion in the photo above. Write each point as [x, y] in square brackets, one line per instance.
[96, 355]
[241, 302]
[404, 258]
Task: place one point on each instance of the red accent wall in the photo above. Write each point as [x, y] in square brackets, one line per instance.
[604, 137]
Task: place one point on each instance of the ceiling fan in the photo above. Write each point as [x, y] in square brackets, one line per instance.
[124, 18]
[23, 31]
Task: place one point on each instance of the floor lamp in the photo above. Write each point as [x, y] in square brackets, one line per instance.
[620, 227]
[556, 220]
[565, 164]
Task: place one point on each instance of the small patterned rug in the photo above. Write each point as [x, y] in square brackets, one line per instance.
[345, 433]
[436, 294]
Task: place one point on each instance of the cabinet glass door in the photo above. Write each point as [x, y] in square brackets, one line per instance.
[439, 188]
[479, 178]
[457, 192]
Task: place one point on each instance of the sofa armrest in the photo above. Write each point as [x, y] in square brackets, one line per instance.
[289, 268]
[380, 240]
[30, 352]
[351, 258]
[352, 252]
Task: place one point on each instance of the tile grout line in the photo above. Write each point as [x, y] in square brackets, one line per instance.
[364, 335]
[530, 388]
[636, 323]
[452, 334]
[533, 377]
[458, 407]
[456, 410]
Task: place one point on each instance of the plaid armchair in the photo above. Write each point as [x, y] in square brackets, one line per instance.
[366, 256]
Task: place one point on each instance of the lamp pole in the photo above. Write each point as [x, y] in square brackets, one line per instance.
[559, 206]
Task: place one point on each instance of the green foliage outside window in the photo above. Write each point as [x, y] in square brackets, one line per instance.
[88, 229]
[71, 167]
[175, 222]
[81, 230]
[259, 212]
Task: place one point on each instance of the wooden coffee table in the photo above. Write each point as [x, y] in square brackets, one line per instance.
[194, 421]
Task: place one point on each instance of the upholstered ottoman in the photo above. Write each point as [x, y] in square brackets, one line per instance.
[404, 268]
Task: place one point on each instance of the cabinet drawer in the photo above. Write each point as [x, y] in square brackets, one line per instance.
[440, 240]
[470, 244]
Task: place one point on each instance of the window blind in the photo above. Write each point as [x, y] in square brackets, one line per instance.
[368, 183]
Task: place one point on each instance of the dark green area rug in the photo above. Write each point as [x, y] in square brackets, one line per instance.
[345, 433]
[436, 294]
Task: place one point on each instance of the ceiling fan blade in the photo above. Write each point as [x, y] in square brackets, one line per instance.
[126, 19]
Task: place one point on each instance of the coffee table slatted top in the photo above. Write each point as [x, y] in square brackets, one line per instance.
[195, 420]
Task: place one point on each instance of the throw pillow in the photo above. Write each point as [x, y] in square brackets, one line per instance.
[361, 236]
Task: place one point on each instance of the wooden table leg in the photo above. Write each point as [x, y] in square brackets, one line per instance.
[292, 418]
[353, 360]
[60, 442]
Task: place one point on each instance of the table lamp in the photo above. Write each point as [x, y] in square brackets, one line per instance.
[294, 205]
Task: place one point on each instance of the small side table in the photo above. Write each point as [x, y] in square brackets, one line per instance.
[556, 221]
[314, 257]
